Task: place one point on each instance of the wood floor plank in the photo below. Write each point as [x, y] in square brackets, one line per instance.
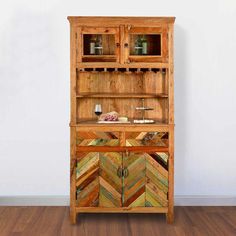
[48, 223]
[27, 217]
[8, 219]
[53, 221]
[66, 228]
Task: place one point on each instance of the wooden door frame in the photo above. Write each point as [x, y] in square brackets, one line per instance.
[97, 30]
[161, 30]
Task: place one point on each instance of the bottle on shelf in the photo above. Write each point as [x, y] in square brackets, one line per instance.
[144, 45]
[92, 45]
[138, 45]
[98, 45]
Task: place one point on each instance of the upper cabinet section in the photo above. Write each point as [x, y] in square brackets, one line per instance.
[98, 44]
[123, 40]
[146, 44]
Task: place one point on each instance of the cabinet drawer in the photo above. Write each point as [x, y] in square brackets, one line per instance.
[159, 139]
[97, 138]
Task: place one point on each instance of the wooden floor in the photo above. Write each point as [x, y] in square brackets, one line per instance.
[45, 221]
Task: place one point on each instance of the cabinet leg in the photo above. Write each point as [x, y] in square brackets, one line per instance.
[73, 216]
[170, 217]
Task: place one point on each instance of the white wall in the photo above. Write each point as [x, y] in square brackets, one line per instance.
[34, 92]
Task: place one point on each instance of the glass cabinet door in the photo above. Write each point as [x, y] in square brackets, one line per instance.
[146, 44]
[97, 44]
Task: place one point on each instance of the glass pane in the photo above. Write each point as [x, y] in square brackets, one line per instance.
[99, 44]
[145, 44]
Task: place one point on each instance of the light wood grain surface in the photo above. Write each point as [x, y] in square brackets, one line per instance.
[119, 80]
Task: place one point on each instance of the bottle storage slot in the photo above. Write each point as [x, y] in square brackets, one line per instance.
[155, 70]
[121, 81]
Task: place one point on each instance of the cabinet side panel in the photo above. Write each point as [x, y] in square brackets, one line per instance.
[170, 214]
[73, 74]
[171, 75]
[72, 173]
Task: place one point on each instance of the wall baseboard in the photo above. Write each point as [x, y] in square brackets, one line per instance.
[205, 200]
[180, 200]
[35, 200]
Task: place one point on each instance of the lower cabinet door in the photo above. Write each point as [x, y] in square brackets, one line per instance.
[115, 179]
[110, 179]
[134, 173]
[99, 179]
[145, 180]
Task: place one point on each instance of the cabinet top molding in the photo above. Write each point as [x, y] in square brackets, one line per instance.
[117, 20]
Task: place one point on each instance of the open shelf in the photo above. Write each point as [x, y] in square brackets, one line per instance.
[92, 122]
[121, 95]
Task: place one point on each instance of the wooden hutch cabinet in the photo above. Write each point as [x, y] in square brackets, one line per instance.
[126, 65]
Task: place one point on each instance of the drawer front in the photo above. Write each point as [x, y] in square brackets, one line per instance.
[159, 139]
[97, 138]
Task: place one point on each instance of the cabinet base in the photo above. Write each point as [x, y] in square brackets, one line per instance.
[169, 216]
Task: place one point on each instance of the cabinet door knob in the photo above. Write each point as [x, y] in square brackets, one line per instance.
[126, 45]
[117, 45]
[125, 172]
[119, 172]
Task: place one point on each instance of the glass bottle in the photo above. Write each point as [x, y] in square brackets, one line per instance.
[144, 45]
[98, 45]
[92, 46]
[138, 45]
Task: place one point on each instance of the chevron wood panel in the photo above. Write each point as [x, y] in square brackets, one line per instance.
[134, 183]
[96, 179]
[147, 139]
[156, 183]
[110, 183]
[87, 179]
[146, 183]
[97, 138]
